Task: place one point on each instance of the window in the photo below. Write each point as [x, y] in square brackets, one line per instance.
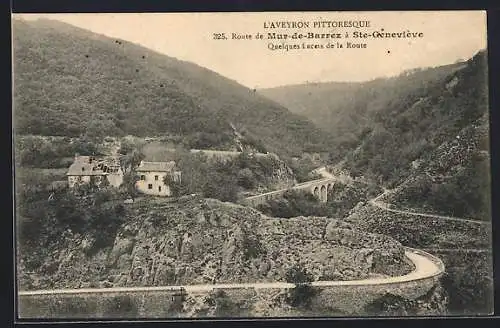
[159, 188]
[143, 177]
[83, 169]
[156, 178]
[150, 186]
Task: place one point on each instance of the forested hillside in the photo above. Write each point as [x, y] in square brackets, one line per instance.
[347, 109]
[69, 82]
[428, 129]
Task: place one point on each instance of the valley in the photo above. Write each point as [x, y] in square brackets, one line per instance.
[319, 199]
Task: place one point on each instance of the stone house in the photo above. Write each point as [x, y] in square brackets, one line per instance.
[152, 175]
[86, 169]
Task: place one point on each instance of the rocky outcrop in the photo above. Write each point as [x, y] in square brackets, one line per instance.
[282, 175]
[198, 241]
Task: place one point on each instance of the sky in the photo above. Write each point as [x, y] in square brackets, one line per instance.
[448, 36]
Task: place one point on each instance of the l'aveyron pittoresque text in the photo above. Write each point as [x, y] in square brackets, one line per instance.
[284, 36]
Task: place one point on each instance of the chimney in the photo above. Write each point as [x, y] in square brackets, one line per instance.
[76, 156]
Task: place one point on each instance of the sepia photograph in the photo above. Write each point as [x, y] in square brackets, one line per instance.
[251, 165]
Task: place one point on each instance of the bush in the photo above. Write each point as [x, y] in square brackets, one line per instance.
[177, 306]
[468, 283]
[297, 274]
[220, 179]
[35, 151]
[41, 223]
[300, 296]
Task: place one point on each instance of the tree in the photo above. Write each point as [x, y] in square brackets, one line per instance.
[129, 180]
[246, 178]
[221, 187]
[177, 187]
[224, 306]
[298, 274]
[130, 161]
[126, 147]
[303, 293]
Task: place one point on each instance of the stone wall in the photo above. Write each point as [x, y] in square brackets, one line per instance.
[353, 299]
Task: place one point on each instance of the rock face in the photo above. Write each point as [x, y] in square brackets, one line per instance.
[199, 241]
[282, 175]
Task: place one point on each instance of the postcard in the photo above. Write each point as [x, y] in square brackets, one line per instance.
[251, 165]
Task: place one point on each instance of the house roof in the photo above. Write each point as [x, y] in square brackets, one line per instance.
[156, 166]
[81, 166]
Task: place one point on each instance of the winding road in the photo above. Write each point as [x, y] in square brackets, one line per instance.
[375, 202]
[425, 266]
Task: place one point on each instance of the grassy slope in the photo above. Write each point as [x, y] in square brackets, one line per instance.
[71, 81]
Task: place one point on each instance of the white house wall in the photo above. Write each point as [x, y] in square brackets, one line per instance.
[143, 185]
[115, 180]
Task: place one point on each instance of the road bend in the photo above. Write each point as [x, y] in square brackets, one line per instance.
[425, 266]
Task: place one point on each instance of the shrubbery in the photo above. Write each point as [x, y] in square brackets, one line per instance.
[469, 283]
[300, 296]
[252, 247]
[94, 212]
[295, 203]
[32, 151]
[220, 179]
[390, 305]
[466, 194]
[302, 169]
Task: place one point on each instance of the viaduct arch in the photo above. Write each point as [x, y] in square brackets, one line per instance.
[319, 188]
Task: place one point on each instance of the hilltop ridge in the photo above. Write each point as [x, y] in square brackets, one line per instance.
[70, 81]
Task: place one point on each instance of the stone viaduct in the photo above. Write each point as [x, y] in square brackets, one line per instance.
[318, 188]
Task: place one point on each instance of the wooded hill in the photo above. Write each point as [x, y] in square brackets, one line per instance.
[69, 81]
[429, 126]
[348, 110]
